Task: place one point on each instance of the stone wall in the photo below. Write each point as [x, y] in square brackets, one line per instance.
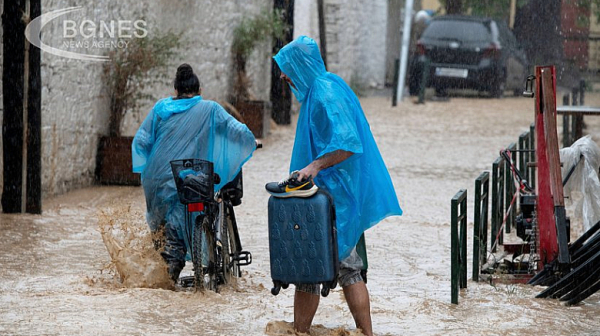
[356, 37]
[74, 102]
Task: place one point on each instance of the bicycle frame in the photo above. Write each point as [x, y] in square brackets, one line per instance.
[217, 222]
[221, 216]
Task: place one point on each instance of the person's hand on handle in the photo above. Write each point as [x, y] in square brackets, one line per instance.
[308, 172]
[325, 161]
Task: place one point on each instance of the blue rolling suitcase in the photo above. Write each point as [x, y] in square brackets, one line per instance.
[302, 241]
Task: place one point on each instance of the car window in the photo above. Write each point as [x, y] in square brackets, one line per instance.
[466, 31]
[507, 36]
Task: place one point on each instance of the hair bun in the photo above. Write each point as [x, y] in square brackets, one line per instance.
[184, 72]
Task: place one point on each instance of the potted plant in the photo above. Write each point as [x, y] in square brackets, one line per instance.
[246, 36]
[125, 75]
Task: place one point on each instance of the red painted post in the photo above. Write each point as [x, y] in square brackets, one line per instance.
[548, 244]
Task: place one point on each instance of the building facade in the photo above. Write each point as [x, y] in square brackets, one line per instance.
[75, 106]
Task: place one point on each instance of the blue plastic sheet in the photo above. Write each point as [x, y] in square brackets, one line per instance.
[184, 129]
[331, 119]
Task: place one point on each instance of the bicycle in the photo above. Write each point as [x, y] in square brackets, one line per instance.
[214, 229]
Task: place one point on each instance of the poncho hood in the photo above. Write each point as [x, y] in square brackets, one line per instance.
[165, 108]
[301, 61]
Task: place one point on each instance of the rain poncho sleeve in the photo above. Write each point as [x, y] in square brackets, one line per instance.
[334, 129]
[144, 139]
[331, 119]
[184, 129]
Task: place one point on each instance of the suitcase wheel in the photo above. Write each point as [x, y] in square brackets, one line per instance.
[275, 290]
[285, 285]
[276, 287]
[325, 291]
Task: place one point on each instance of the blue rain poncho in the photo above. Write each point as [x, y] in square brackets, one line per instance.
[184, 129]
[331, 119]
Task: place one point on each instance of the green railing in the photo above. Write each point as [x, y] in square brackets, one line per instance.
[531, 170]
[480, 226]
[501, 195]
[458, 242]
[509, 188]
[524, 155]
[497, 203]
[573, 124]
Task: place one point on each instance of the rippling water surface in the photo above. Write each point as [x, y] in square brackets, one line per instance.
[85, 266]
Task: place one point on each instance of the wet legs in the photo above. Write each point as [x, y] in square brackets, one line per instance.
[174, 251]
[357, 296]
[305, 307]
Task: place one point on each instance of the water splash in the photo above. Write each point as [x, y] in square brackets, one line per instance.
[282, 328]
[131, 249]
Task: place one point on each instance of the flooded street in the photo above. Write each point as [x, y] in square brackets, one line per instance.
[57, 276]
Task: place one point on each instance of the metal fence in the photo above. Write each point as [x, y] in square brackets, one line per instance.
[458, 242]
[480, 225]
[503, 200]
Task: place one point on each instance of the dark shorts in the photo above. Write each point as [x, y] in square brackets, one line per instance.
[349, 274]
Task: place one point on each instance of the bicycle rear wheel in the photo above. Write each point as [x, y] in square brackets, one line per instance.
[197, 237]
[210, 270]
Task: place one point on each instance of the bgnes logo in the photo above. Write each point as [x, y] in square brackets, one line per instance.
[85, 34]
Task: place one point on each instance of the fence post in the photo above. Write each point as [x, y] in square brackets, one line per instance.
[482, 187]
[566, 134]
[458, 243]
[524, 155]
[509, 188]
[423, 80]
[497, 202]
[577, 120]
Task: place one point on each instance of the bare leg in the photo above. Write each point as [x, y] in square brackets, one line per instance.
[305, 307]
[357, 297]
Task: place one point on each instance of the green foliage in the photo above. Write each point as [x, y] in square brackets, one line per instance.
[251, 31]
[500, 9]
[143, 62]
[591, 5]
[267, 25]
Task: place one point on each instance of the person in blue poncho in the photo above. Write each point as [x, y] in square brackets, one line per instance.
[334, 146]
[183, 127]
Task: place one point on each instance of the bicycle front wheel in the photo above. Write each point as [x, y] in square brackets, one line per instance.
[234, 248]
[230, 267]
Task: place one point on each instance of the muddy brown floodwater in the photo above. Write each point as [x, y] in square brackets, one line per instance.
[85, 267]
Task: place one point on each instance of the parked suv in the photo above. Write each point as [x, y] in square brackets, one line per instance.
[468, 52]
